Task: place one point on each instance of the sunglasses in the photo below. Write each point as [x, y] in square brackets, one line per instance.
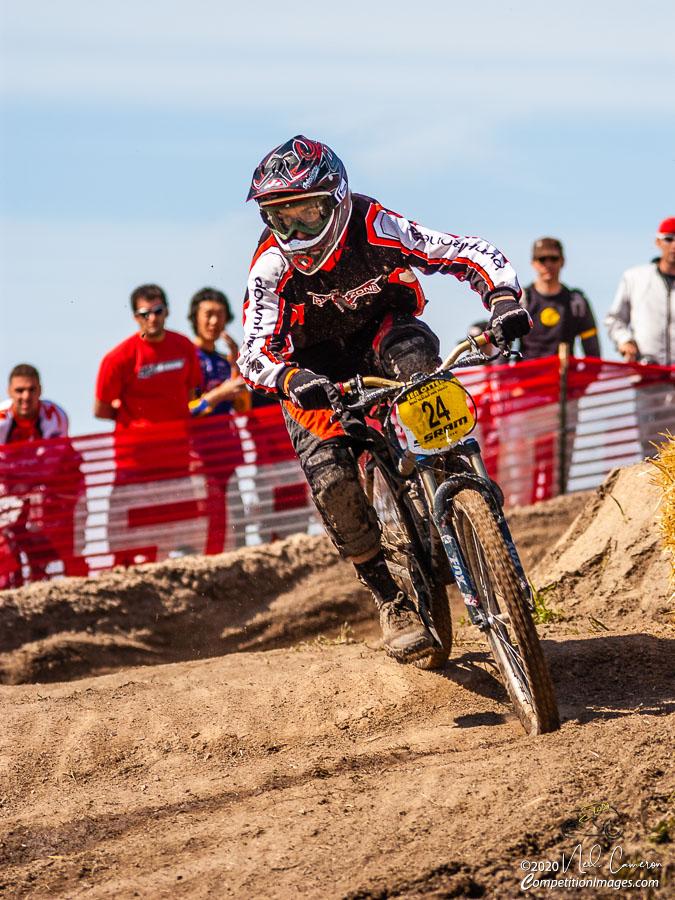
[146, 313]
[667, 238]
[547, 259]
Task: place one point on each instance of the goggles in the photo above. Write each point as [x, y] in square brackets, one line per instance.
[667, 238]
[146, 313]
[309, 214]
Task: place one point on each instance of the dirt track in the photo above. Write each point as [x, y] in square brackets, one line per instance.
[305, 766]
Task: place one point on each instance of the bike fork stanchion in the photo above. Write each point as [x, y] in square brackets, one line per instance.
[430, 484]
[472, 448]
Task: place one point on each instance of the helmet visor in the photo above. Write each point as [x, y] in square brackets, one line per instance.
[309, 215]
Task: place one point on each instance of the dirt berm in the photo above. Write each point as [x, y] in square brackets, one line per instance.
[208, 727]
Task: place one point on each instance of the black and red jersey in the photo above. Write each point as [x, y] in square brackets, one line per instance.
[292, 319]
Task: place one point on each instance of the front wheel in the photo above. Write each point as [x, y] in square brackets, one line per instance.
[414, 555]
[511, 632]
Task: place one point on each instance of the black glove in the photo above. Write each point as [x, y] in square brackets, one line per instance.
[508, 321]
[311, 391]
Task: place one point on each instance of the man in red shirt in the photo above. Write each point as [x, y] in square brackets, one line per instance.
[151, 376]
[24, 416]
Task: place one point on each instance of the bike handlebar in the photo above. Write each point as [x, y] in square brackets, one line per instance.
[372, 381]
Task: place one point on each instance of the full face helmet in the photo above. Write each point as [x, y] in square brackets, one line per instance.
[302, 191]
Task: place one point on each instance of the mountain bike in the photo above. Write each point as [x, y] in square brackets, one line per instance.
[443, 522]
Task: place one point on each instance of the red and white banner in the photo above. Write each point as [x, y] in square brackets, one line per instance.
[79, 506]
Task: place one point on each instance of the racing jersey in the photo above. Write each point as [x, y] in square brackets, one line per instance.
[152, 379]
[50, 422]
[292, 319]
[558, 319]
[215, 369]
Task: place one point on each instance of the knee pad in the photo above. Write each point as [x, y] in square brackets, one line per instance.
[409, 347]
[349, 519]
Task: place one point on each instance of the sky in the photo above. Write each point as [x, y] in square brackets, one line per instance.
[129, 131]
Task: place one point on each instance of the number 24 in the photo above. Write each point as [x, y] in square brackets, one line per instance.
[435, 415]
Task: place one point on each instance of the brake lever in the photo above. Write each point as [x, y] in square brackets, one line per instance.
[511, 354]
[338, 410]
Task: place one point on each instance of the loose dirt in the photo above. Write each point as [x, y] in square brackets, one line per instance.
[229, 727]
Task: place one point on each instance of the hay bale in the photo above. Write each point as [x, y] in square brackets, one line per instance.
[664, 478]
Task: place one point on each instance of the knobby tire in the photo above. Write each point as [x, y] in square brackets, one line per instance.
[522, 665]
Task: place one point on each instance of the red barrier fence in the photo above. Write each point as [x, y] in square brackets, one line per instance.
[79, 506]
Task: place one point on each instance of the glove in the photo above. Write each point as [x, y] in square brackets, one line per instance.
[308, 390]
[508, 321]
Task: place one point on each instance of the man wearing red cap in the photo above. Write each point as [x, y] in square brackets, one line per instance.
[641, 320]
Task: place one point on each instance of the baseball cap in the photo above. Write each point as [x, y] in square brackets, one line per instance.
[667, 226]
[546, 245]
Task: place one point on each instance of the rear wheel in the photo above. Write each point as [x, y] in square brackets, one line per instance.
[511, 633]
[416, 560]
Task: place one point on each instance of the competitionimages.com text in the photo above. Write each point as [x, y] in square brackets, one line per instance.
[531, 881]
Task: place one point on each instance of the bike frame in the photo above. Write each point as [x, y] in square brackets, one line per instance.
[439, 496]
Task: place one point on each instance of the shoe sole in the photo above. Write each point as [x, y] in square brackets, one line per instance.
[409, 654]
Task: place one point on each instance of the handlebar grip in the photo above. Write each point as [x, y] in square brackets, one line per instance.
[354, 385]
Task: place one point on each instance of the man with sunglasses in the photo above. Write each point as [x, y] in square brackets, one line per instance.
[331, 294]
[151, 376]
[559, 314]
[641, 320]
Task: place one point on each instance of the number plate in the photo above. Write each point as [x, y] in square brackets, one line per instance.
[435, 415]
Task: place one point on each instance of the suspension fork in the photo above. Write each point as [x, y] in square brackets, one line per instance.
[472, 449]
[459, 569]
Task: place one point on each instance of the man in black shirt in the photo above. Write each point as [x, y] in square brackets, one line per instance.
[559, 314]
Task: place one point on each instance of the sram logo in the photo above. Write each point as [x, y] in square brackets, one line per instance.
[446, 429]
[348, 299]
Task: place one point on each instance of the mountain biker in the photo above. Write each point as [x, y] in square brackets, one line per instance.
[331, 293]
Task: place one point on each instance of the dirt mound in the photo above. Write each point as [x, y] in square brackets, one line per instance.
[189, 608]
[609, 564]
[258, 598]
[324, 769]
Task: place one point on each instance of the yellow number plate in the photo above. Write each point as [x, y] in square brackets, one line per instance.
[435, 415]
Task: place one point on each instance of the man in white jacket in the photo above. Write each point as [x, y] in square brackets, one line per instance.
[641, 320]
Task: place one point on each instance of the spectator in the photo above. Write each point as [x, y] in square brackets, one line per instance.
[39, 485]
[151, 376]
[217, 444]
[24, 416]
[642, 325]
[222, 388]
[641, 321]
[559, 314]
